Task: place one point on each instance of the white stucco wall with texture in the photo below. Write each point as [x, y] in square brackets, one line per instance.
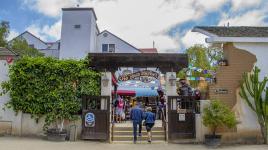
[10, 123]
[247, 118]
[76, 42]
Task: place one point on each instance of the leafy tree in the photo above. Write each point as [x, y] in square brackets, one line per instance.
[218, 115]
[201, 57]
[21, 47]
[252, 91]
[4, 31]
[44, 86]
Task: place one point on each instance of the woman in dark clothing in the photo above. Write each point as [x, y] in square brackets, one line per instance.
[149, 118]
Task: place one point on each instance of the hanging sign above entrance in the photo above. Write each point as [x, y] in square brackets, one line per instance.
[143, 76]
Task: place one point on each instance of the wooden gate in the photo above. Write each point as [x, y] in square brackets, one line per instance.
[181, 117]
[95, 117]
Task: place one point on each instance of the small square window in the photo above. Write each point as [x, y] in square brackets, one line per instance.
[31, 45]
[105, 48]
[77, 26]
[111, 48]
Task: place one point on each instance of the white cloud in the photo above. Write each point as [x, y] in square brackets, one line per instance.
[46, 32]
[242, 4]
[12, 34]
[251, 18]
[142, 22]
[192, 38]
[139, 22]
[50, 8]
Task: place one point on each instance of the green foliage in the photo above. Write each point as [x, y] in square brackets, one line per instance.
[4, 31]
[202, 57]
[21, 47]
[253, 91]
[49, 87]
[217, 115]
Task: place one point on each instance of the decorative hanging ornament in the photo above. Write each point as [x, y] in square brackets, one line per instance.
[9, 59]
[199, 70]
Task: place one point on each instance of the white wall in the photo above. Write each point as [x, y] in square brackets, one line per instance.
[93, 35]
[247, 116]
[7, 116]
[76, 43]
[51, 52]
[120, 45]
[33, 40]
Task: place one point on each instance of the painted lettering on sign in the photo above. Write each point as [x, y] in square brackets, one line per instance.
[221, 91]
[139, 75]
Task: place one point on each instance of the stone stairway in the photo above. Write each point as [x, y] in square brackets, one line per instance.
[125, 135]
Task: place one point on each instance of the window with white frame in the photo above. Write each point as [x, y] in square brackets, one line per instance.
[108, 48]
[111, 48]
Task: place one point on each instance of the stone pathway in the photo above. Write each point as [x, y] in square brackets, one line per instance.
[22, 143]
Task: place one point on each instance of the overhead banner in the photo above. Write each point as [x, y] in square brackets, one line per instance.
[139, 75]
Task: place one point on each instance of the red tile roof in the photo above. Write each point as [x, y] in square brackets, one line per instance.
[148, 50]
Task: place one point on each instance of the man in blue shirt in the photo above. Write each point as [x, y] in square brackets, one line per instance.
[136, 115]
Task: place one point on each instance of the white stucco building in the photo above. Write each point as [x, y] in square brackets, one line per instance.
[244, 47]
[80, 35]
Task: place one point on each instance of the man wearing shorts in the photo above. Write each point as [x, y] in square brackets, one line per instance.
[149, 118]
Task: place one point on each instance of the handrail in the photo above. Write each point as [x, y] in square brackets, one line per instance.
[164, 116]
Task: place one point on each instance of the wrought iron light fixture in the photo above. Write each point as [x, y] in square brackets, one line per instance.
[172, 80]
[105, 80]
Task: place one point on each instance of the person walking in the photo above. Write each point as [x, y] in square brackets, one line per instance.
[149, 118]
[136, 115]
[120, 110]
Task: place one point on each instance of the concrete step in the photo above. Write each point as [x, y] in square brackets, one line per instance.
[144, 133]
[140, 142]
[142, 138]
[130, 129]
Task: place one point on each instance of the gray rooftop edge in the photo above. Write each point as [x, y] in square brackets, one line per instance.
[233, 31]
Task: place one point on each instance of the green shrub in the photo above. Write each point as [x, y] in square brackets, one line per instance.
[49, 87]
[218, 115]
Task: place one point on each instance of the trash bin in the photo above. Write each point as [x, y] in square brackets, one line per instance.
[73, 133]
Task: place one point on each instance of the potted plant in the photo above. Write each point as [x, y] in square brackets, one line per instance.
[217, 115]
[64, 108]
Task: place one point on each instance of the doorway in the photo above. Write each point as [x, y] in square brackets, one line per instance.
[122, 132]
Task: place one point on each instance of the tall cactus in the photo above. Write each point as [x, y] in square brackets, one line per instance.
[252, 91]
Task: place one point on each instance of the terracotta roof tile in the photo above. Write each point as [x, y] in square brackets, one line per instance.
[148, 50]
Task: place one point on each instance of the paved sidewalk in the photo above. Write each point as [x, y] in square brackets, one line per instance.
[19, 143]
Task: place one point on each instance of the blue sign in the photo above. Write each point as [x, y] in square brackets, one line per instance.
[89, 120]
